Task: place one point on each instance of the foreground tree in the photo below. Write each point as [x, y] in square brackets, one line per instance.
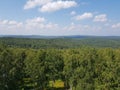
[35, 69]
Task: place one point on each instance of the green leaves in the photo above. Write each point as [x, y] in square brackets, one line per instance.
[80, 69]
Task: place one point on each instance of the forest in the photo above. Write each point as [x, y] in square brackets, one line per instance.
[59, 64]
[61, 43]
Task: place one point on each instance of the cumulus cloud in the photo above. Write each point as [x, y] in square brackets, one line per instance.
[100, 18]
[116, 26]
[84, 16]
[37, 23]
[36, 20]
[49, 5]
[10, 24]
[33, 3]
[57, 5]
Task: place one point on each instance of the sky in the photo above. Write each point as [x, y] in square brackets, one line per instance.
[60, 17]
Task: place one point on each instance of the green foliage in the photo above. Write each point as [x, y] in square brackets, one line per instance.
[79, 69]
[61, 43]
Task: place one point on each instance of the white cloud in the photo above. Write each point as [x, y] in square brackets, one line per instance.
[84, 16]
[116, 26]
[57, 5]
[10, 23]
[82, 27]
[49, 5]
[51, 26]
[36, 20]
[73, 13]
[37, 23]
[33, 3]
[100, 18]
[4, 22]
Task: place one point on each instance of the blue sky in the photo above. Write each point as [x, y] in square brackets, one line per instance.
[60, 17]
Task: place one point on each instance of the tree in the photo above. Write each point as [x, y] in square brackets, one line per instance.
[35, 68]
[53, 64]
[6, 70]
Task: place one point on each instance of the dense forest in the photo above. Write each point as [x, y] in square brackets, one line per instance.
[62, 43]
[38, 64]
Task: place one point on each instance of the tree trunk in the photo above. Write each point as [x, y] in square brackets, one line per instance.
[66, 86]
[71, 87]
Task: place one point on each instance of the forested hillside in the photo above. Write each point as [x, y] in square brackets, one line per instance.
[77, 69]
[62, 43]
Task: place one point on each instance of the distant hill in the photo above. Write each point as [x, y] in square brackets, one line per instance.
[39, 36]
[47, 37]
[26, 36]
[60, 42]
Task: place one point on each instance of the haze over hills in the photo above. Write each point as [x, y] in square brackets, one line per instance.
[50, 37]
[37, 42]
